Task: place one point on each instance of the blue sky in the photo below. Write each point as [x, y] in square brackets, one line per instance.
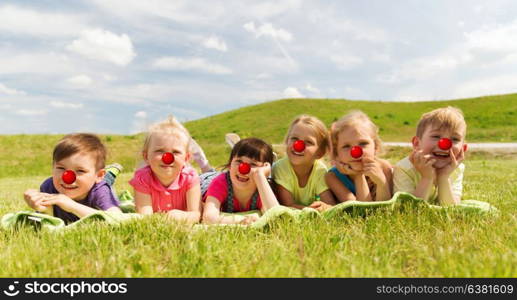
[115, 66]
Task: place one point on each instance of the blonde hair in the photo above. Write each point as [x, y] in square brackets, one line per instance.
[322, 134]
[169, 126]
[442, 118]
[349, 120]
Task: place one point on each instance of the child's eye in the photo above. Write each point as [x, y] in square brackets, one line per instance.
[435, 136]
[60, 168]
[364, 144]
[81, 171]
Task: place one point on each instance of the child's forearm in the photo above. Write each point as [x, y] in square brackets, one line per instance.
[267, 196]
[445, 194]
[81, 210]
[424, 187]
[222, 219]
[189, 217]
[383, 192]
[362, 191]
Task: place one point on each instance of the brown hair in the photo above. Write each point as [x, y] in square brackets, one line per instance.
[350, 119]
[253, 148]
[322, 134]
[81, 142]
[442, 118]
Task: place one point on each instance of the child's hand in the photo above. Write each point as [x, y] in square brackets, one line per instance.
[264, 170]
[175, 214]
[33, 199]
[423, 163]
[455, 162]
[249, 219]
[346, 168]
[64, 202]
[320, 206]
[373, 169]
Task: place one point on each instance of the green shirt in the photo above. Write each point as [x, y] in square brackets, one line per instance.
[284, 175]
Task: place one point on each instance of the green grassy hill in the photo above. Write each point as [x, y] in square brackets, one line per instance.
[489, 119]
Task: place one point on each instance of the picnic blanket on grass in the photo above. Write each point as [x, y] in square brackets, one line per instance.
[399, 201]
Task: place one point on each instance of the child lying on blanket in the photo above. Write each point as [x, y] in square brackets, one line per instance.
[434, 170]
[243, 187]
[167, 183]
[359, 174]
[300, 175]
[76, 188]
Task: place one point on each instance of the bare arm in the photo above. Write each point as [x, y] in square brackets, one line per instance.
[143, 203]
[286, 198]
[341, 192]
[193, 213]
[361, 188]
[68, 205]
[212, 213]
[267, 196]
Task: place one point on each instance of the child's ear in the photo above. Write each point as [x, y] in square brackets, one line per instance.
[187, 157]
[416, 142]
[100, 175]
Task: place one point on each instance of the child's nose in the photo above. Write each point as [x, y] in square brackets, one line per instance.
[68, 177]
[356, 152]
[168, 158]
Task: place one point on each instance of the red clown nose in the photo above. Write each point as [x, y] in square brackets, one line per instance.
[445, 144]
[167, 158]
[244, 168]
[68, 177]
[299, 146]
[356, 151]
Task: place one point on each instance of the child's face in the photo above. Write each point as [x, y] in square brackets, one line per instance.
[428, 143]
[160, 144]
[243, 181]
[83, 165]
[305, 133]
[358, 135]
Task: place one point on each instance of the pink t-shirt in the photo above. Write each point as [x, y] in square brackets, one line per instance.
[165, 198]
[218, 189]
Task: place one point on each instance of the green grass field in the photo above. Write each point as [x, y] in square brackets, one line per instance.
[416, 243]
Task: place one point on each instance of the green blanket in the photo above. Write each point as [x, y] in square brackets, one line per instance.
[358, 208]
[399, 201]
[46, 222]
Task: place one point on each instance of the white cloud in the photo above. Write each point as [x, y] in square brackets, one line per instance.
[141, 114]
[34, 63]
[11, 92]
[315, 91]
[30, 112]
[292, 92]
[102, 45]
[39, 24]
[181, 11]
[425, 67]
[265, 9]
[190, 64]
[346, 62]
[80, 81]
[216, 43]
[492, 85]
[499, 38]
[267, 29]
[59, 104]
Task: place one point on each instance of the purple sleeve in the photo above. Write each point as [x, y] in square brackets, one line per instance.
[103, 198]
[48, 187]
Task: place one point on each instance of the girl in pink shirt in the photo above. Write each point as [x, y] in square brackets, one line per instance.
[243, 187]
[167, 184]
